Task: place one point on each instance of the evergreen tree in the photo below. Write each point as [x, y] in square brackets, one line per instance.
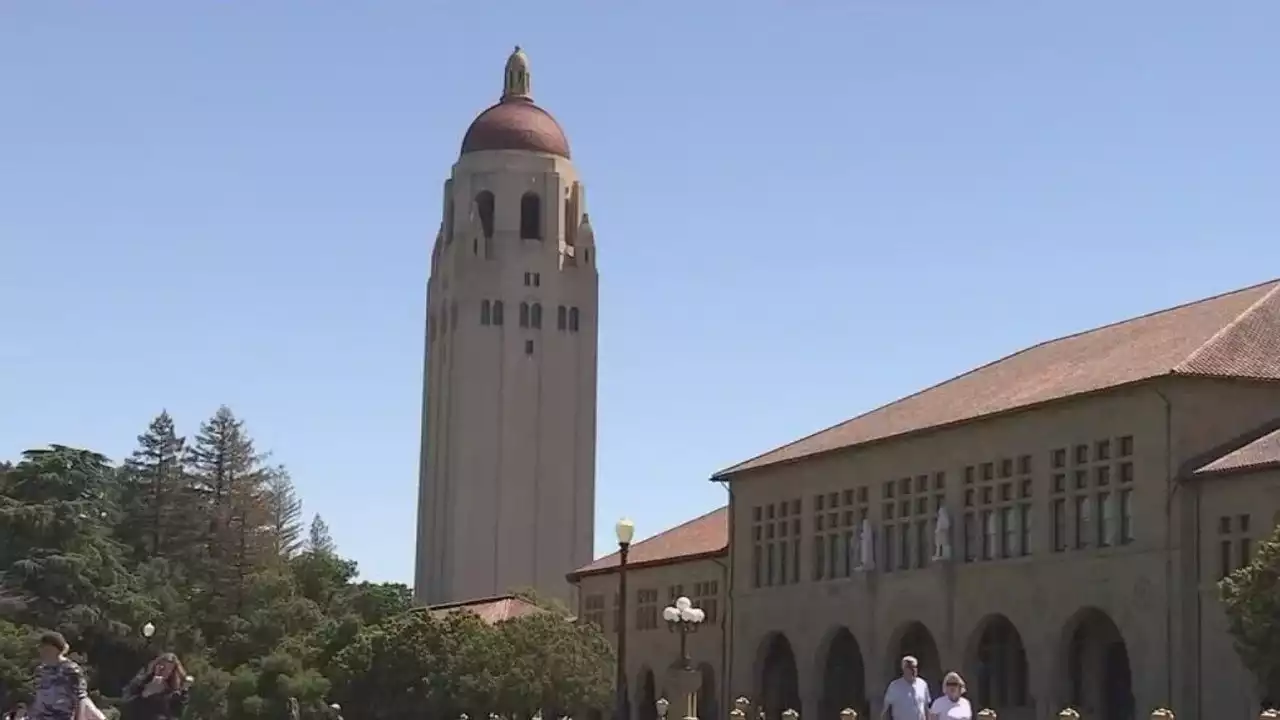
[159, 514]
[319, 541]
[286, 513]
[60, 565]
[227, 473]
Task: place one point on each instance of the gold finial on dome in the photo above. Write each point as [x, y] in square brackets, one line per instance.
[516, 83]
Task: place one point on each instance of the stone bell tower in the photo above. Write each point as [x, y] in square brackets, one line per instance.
[506, 495]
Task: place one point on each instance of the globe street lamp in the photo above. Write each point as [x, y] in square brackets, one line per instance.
[683, 618]
[625, 531]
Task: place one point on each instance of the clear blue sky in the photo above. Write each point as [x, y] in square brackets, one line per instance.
[804, 210]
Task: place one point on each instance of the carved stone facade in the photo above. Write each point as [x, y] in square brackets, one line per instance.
[1052, 526]
[507, 481]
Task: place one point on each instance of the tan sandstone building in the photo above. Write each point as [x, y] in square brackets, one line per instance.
[506, 494]
[1093, 490]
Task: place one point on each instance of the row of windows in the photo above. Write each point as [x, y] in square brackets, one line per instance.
[567, 318]
[996, 523]
[705, 595]
[776, 544]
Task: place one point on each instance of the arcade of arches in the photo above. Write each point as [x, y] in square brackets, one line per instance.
[1090, 670]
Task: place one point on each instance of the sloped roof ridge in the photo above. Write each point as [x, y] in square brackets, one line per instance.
[961, 376]
[673, 528]
[1210, 344]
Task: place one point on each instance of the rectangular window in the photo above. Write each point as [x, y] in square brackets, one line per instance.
[1246, 551]
[1126, 446]
[819, 557]
[484, 312]
[833, 554]
[1126, 516]
[757, 566]
[646, 609]
[904, 547]
[573, 319]
[562, 317]
[593, 610]
[524, 315]
[771, 564]
[1059, 525]
[1024, 529]
[795, 552]
[784, 560]
[888, 548]
[1106, 519]
[1224, 558]
[1082, 522]
[497, 312]
[1008, 532]
[988, 534]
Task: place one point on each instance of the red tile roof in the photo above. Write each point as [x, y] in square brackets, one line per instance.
[1261, 453]
[491, 609]
[1233, 335]
[706, 536]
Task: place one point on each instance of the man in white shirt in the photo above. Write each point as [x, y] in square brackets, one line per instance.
[907, 697]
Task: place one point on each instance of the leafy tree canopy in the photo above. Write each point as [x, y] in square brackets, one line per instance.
[205, 539]
[1251, 597]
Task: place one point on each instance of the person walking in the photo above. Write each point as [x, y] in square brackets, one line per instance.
[952, 705]
[907, 697]
[60, 683]
[158, 692]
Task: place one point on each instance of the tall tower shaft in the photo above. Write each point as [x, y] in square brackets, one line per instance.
[507, 479]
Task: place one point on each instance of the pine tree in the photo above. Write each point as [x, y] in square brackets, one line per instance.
[227, 472]
[157, 499]
[319, 541]
[285, 508]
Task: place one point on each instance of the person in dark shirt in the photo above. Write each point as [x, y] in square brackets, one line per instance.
[158, 692]
[60, 683]
[19, 712]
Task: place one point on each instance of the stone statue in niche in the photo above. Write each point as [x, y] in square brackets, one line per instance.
[942, 535]
[866, 547]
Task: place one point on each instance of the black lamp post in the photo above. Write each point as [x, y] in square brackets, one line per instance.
[625, 530]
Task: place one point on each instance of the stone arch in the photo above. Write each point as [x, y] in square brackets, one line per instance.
[646, 701]
[995, 665]
[777, 678]
[708, 696]
[1093, 667]
[913, 638]
[843, 675]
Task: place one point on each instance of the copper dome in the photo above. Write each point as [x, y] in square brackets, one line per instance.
[516, 124]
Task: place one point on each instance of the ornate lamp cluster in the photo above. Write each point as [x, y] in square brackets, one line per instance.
[683, 618]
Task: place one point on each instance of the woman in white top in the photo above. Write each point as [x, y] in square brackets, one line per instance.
[952, 705]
